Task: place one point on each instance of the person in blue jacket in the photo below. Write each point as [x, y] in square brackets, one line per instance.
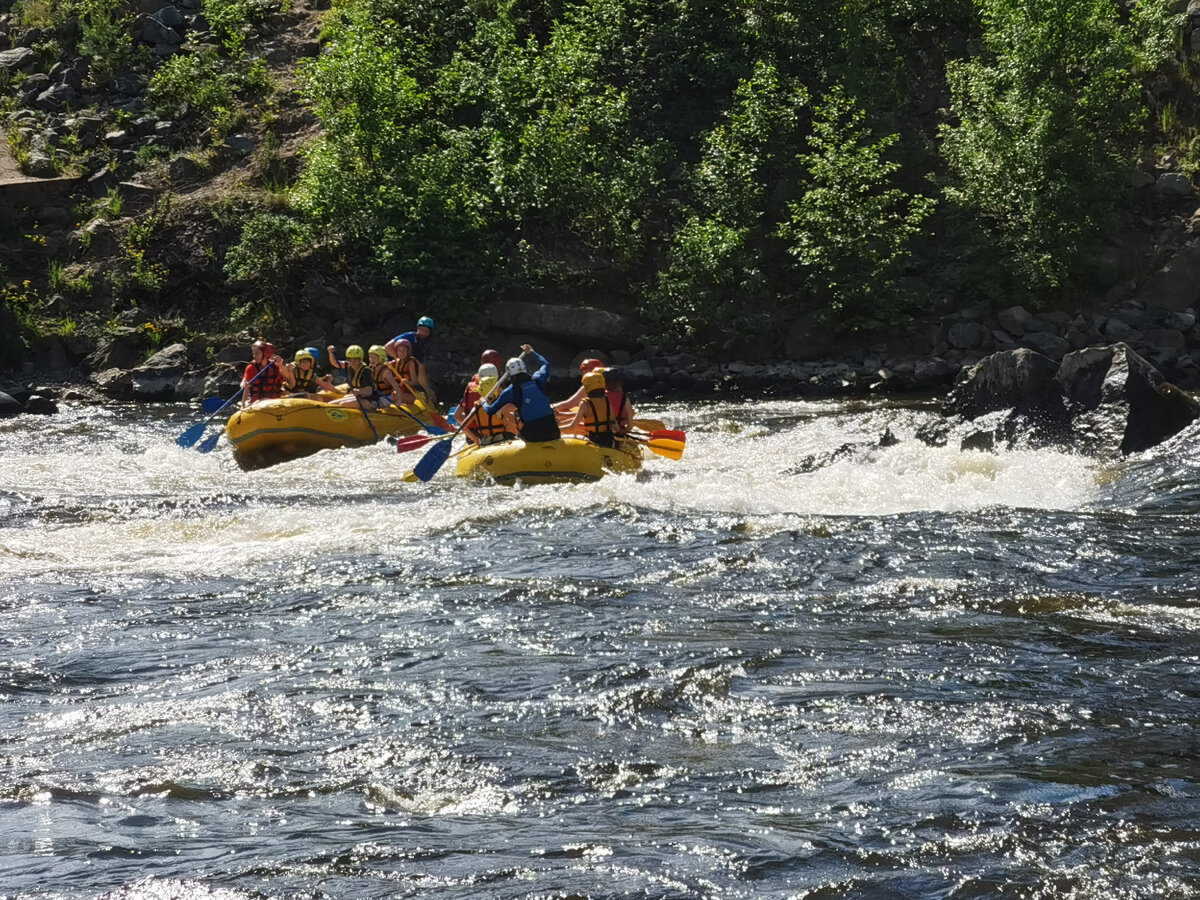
[419, 339]
[527, 393]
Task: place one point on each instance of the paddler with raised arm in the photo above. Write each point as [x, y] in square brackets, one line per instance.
[527, 395]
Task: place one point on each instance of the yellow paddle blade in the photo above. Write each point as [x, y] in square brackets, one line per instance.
[648, 425]
[666, 447]
[410, 476]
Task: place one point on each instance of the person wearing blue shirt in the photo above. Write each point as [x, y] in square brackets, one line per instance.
[419, 339]
[527, 393]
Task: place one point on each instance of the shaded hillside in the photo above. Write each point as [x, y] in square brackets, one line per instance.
[751, 180]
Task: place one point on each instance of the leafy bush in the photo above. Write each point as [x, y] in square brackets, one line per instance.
[267, 255]
[849, 233]
[1048, 117]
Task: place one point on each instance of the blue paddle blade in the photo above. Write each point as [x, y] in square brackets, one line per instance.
[451, 416]
[433, 459]
[209, 443]
[192, 435]
[212, 404]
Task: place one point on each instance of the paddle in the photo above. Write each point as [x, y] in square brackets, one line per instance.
[193, 434]
[436, 456]
[432, 429]
[212, 404]
[670, 434]
[412, 442]
[664, 447]
[648, 425]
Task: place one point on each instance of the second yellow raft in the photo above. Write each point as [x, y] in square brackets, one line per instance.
[546, 462]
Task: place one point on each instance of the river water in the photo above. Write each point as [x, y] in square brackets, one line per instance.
[910, 672]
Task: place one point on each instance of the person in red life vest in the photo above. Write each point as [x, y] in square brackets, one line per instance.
[263, 378]
[471, 391]
[360, 386]
[410, 372]
[302, 379]
[565, 410]
[594, 418]
[484, 427]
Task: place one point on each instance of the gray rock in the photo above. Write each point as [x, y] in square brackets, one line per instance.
[56, 97]
[1173, 184]
[17, 60]
[967, 335]
[582, 325]
[241, 144]
[1001, 381]
[169, 17]
[1013, 319]
[41, 166]
[115, 383]
[9, 407]
[1176, 286]
[1120, 396]
[158, 377]
[117, 350]
[1119, 330]
[1166, 338]
[1047, 343]
[38, 405]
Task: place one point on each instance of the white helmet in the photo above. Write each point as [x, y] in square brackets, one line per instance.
[515, 366]
[487, 370]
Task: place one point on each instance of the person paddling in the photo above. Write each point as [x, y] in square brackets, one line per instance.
[526, 394]
[267, 385]
[410, 373]
[594, 417]
[485, 428]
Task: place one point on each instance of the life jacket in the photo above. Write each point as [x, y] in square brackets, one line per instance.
[598, 421]
[616, 402]
[265, 385]
[361, 379]
[382, 388]
[489, 428]
[406, 373]
[306, 381]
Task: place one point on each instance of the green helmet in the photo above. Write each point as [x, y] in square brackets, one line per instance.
[354, 352]
[378, 350]
[304, 354]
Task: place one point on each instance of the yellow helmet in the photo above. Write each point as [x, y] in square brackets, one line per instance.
[378, 350]
[593, 381]
[354, 352]
[486, 383]
[304, 354]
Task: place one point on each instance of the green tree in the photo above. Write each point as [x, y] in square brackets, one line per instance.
[849, 233]
[1047, 120]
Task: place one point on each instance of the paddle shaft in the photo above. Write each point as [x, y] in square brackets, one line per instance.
[185, 441]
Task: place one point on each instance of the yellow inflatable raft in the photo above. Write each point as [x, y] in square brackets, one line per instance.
[273, 431]
[547, 462]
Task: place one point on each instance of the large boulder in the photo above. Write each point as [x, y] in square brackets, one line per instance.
[159, 376]
[9, 406]
[1103, 400]
[1118, 395]
[579, 325]
[1001, 381]
[1175, 286]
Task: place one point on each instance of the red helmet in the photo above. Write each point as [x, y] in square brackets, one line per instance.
[267, 348]
[590, 365]
[491, 357]
[403, 342]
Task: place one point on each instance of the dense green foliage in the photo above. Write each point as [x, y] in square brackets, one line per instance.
[724, 165]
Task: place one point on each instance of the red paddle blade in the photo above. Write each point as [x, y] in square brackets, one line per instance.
[440, 421]
[670, 434]
[412, 442]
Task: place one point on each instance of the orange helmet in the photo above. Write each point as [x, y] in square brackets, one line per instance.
[590, 365]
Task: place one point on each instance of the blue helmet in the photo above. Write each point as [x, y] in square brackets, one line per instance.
[316, 354]
[426, 321]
